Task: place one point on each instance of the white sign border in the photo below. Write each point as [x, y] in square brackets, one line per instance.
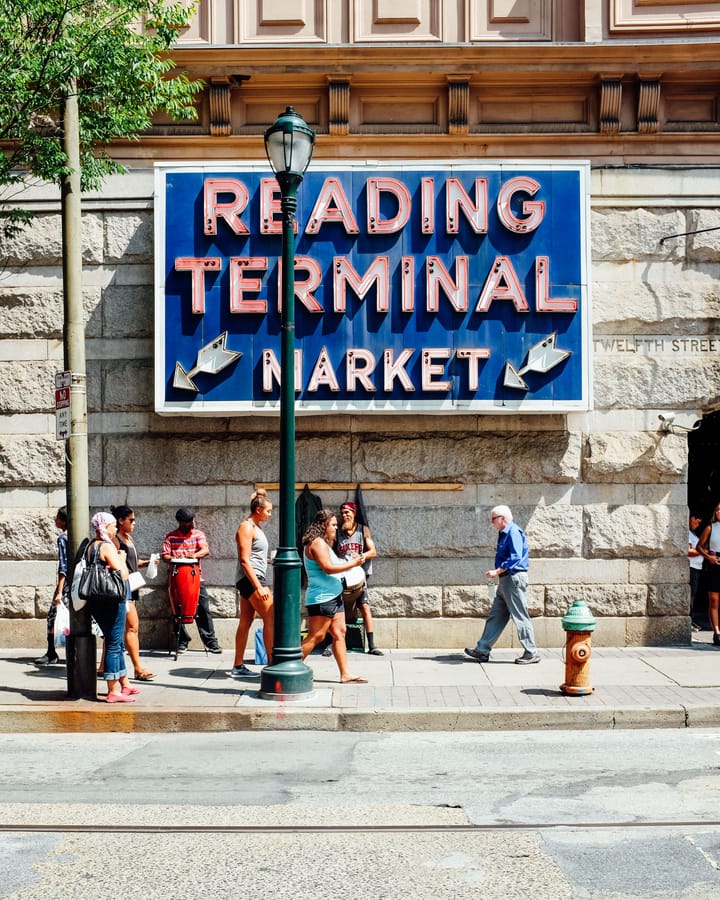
[200, 407]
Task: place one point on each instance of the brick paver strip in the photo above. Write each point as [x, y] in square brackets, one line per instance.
[416, 697]
[468, 694]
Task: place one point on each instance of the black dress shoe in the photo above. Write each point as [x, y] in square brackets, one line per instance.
[47, 660]
[477, 655]
[716, 640]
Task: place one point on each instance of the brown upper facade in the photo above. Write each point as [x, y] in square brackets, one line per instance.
[351, 22]
[614, 81]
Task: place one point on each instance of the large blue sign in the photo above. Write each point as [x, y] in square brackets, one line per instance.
[426, 287]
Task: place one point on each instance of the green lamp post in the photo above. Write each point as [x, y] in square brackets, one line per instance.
[289, 145]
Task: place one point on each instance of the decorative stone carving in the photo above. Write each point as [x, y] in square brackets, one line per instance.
[219, 97]
[339, 105]
[610, 103]
[648, 104]
[458, 104]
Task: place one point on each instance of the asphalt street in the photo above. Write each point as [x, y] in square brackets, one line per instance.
[579, 814]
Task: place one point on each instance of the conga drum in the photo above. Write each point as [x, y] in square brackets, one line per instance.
[184, 593]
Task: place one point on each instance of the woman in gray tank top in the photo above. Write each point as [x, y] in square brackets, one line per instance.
[255, 595]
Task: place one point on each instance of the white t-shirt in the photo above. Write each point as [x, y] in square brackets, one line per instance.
[696, 562]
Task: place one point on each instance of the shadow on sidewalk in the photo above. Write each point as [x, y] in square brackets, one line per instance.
[39, 696]
[541, 692]
[455, 659]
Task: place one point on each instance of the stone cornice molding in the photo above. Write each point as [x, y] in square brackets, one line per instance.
[442, 58]
[613, 103]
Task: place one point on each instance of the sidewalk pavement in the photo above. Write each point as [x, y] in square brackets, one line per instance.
[407, 690]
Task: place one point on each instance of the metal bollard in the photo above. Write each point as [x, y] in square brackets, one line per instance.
[578, 623]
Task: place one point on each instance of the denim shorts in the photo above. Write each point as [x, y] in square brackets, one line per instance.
[328, 609]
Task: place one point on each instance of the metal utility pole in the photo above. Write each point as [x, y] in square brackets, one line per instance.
[81, 648]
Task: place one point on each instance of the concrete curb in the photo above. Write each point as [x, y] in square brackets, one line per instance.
[92, 718]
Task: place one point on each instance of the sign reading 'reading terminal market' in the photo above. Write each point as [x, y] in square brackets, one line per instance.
[425, 287]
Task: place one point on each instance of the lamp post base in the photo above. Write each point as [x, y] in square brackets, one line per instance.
[286, 681]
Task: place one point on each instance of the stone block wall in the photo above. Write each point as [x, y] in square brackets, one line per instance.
[602, 495]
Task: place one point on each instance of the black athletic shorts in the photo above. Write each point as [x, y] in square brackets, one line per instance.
[246, 587]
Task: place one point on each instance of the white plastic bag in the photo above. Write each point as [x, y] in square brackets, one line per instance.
[78, 602]
[80, 565]
[62, 625]
[152, 565]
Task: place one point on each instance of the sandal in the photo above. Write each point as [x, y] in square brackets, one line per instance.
[144, 676]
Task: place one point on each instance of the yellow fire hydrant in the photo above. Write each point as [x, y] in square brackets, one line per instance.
[578, 623]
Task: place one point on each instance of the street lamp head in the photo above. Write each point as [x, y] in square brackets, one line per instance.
[289, 144]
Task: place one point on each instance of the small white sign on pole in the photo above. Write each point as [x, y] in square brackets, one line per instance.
[62, 405]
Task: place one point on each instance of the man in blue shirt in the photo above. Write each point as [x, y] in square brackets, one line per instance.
[511, 570]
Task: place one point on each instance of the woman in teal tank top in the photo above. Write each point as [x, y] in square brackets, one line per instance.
[325, 608]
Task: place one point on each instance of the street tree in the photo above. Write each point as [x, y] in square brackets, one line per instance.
[115, 53]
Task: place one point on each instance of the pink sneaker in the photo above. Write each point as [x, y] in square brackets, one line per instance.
[119, 698]
[130, 690]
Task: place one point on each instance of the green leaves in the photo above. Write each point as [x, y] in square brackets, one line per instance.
[117, 52]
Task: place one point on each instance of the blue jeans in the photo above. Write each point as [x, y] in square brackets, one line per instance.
[111, 619]
[510, 602]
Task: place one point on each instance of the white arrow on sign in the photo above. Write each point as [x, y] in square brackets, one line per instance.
[541, 357]
[211, 358]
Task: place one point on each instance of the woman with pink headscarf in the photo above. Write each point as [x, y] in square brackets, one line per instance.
[109, 615]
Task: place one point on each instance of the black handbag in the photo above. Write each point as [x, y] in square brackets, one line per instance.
[100, 583]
